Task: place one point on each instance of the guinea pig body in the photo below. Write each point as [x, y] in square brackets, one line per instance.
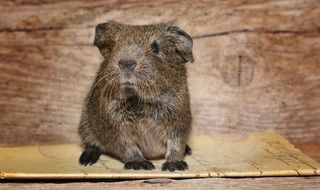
[138, 107]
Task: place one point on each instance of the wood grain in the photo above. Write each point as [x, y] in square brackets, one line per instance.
[310, 149]
[257, 64]
[217, 183]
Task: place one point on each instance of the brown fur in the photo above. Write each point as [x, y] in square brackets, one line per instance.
[144, 113]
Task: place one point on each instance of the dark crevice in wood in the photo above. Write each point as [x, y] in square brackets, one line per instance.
[258, 30]
[47, 45]
[40, 29]
[8, 30]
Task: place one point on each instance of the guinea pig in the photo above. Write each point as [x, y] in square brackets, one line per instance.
[138, 107]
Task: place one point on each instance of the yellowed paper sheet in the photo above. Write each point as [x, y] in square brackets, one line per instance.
[245, 155]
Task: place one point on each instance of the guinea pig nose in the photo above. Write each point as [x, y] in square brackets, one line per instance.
[127, 64]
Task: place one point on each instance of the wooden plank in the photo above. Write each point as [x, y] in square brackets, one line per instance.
[41, 95]
[73, 22]
[218, 183]
[311, 149]
[257, 64]
[257, 81]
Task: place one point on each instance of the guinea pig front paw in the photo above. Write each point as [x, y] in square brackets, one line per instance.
[137, 165]
[89, 156]
[174, 165]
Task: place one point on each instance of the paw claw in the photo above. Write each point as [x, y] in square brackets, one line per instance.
[174, 165]
[137, 165]
[89, 156]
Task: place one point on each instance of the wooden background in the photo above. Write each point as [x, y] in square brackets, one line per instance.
[257, 64]
[257, 68]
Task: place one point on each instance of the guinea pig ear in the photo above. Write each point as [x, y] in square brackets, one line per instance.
[104, 37]
[182, 42]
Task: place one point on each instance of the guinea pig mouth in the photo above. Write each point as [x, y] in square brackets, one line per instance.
[130, 90]
[128, 84]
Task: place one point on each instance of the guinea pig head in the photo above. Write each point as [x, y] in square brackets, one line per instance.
[142, 60]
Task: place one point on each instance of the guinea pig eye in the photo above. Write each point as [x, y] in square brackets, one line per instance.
[155, 47]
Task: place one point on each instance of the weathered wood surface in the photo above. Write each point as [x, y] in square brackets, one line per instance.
[217, 183]
[310, 149]
[257, 64]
